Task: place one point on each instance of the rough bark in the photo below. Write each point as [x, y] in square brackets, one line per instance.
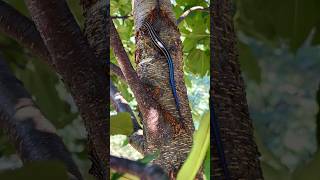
[23, 30]
[96, 14]
[229, 100]
[80, 69]
[173, 141]
[32, 134]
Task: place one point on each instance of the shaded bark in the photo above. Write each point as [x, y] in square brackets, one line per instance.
[80, 69]
[32, 134]
[96, 14]
[228, 97]
[23, 30]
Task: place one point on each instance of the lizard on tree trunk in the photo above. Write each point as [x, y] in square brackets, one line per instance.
[173, 138]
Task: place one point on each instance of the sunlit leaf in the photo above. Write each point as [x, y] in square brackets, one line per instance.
[121, 124]
[201, 144]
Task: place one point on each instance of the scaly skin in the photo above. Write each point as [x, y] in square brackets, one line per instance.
[161, 46]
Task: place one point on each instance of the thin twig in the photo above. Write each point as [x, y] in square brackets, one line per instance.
[117, 71]
[189, 11]
[137, 87]
[23, 30]
[121, 17]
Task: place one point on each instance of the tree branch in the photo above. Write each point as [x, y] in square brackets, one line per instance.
[117, 71]
[78, 66]
[95, 14]
[23, 30]
[189, 11]
[148, 172]
[121, 105]
[228, 103]
[147, 105]
[121, 17]
[32, 134]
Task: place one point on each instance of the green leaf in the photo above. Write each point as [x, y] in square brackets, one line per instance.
[125, 142]
[121, 124]
[121, 176]
[42, 83]
[249, 63]
[198, 62]
[201, 144]
[271, 173]
[310, 170]
[20, 6]
[116, 176]
[149, 157]
[207, 164]
[273, 20]
[49, 170]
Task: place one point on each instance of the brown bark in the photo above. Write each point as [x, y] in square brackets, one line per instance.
[80, 70]
[95, 29]
[229, 100]
[172, 140]
[23, 30]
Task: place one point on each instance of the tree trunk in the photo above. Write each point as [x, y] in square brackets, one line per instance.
[165, 134]
[229, 100]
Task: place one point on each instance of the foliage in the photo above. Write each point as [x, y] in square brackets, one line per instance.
[53, 99]
[272, 21]
[49, 170]
[279, 55]
[201, 145]
[121, 124]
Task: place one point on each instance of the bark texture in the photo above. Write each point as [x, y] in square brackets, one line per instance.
[172, 140]
[229, 100]
[80, 70]
[96, 25]
[23, 30]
